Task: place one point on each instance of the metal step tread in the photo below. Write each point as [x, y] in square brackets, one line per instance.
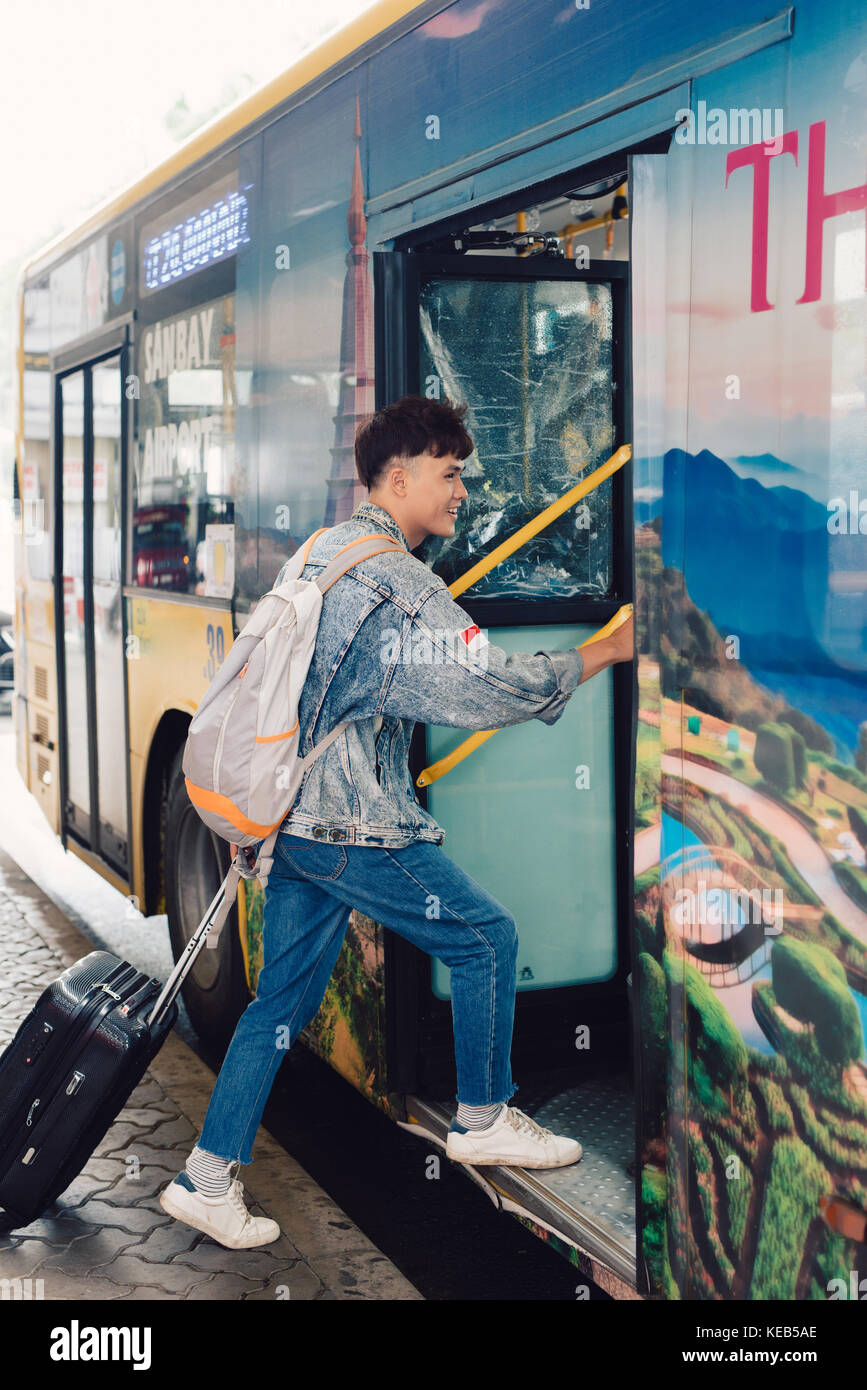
[600, 1113]
[592, 1202]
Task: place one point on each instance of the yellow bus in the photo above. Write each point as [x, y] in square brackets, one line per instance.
[643, 230]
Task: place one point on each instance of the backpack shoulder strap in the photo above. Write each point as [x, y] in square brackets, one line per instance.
[351, 554]
[324, 742]
[297, 562]
[361, 549]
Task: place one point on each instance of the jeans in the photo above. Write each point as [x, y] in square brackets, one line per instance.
[419, 893]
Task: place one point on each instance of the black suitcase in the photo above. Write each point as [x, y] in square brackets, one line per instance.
[75, 1059]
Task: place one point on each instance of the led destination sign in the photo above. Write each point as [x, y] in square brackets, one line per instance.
[204, 230]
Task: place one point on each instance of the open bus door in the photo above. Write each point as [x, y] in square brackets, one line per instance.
[540, 815]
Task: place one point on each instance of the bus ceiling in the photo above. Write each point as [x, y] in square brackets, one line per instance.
[475, 229]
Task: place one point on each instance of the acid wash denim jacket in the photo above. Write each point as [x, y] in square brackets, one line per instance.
[359, 790]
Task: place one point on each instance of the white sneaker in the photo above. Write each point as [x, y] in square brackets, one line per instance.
[225, 1218]
[513, 1139]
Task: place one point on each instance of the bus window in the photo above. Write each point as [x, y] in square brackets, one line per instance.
[183, 480]
[36, 489]
[107, 618]
[542, 411]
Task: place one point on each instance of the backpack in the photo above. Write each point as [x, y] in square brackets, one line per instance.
[241, 763]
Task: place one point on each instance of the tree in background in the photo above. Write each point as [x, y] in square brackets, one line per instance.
[858, 822]
[861, 750]
[799, 757]
[810, 983]
[774, 757]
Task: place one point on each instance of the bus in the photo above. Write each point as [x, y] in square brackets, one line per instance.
[599, 226]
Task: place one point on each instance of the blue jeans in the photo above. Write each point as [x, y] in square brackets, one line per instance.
[419, 893]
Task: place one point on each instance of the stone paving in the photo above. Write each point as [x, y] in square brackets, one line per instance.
[107, 1237]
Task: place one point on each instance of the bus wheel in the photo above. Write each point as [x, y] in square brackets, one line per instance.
[215, 991]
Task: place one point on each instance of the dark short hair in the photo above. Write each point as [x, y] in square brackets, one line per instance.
[406, 428]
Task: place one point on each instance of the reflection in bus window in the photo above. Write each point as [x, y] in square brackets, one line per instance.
[184, 478]
[74, 653]
[534, 362]
[36, 488]
[108, 649]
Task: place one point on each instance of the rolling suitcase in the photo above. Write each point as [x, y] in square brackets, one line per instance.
[76, 1058]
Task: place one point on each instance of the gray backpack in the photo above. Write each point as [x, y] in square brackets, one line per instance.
[241, 763]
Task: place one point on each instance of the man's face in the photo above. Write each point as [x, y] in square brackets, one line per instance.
[425, 500]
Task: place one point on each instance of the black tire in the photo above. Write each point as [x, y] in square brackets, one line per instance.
[215, 992]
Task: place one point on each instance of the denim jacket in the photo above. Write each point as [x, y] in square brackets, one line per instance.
[389, 653]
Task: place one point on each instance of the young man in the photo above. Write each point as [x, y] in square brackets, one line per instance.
[392, 648]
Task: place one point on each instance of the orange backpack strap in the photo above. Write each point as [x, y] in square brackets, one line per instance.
[351, 554]
[297, 561]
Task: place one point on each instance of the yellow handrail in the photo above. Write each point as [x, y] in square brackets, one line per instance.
[469, 745]
[532, 528]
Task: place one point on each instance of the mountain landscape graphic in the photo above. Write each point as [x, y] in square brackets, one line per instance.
[759, 561]
[756, 558]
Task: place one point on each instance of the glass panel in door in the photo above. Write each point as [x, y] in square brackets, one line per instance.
[78, 801]
[530, 815]
[107, 610]
[534, 360]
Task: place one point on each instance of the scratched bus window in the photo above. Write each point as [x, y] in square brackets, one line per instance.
[533, 362]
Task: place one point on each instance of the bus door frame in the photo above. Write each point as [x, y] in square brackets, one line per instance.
[115, 341]
[397, 278]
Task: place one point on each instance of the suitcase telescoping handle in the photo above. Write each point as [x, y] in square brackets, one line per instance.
[208, 930]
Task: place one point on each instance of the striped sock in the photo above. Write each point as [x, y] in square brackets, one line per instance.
[478, 1116]
[210, 1174]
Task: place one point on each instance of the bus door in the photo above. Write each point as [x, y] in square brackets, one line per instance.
[540, 815]
[90, 434]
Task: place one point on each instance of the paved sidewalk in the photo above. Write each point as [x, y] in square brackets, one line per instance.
[107, 1237]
